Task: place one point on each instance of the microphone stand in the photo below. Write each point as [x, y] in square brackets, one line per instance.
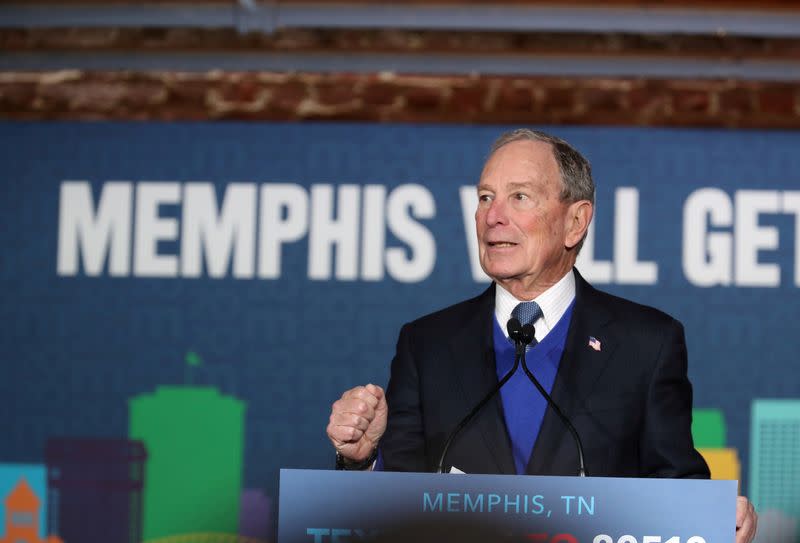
[522, 337]
[475, 410]
[526, 336]
[515, 334]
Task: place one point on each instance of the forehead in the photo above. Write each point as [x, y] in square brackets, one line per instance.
[522, 162]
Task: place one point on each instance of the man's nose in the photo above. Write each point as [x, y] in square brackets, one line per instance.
[496, 214]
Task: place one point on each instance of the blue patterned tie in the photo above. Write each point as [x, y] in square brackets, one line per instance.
[527, 313]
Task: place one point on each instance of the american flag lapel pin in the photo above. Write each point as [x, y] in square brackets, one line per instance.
[594, 343]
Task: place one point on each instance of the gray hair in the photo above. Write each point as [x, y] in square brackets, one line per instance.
[576, 173]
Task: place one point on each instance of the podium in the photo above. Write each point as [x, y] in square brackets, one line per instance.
[318, 506]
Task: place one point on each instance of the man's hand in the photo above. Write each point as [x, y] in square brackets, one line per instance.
[358, 420]
[746, 520]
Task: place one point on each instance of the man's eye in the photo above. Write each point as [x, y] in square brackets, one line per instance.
[484, 198]
[520, 196]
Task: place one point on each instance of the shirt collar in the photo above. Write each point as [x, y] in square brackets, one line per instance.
[553, 301]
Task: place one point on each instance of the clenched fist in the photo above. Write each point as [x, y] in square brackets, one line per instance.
[358, 420]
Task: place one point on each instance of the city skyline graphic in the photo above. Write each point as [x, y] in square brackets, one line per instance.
[177, 477]
[774, 474]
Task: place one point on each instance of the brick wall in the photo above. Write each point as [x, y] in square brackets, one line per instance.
[390, 97]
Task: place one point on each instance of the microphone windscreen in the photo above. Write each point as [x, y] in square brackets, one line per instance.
[528, 333]
[514, 329]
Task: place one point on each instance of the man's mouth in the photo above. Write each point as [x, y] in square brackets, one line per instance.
[501, 244]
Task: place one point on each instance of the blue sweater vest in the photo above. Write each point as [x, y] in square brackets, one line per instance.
[523, 406]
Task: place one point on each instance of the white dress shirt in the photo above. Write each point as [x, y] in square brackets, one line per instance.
[553, 301]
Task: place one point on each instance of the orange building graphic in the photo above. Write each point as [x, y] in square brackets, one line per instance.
[22, 516]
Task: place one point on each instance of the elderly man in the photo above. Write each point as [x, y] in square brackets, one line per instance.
[617, 369]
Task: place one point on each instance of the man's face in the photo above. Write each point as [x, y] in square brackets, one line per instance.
[524, 229]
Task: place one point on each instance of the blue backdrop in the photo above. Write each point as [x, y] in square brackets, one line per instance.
[677, 226]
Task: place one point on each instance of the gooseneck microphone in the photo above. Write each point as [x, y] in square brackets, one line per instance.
[524, 336]
[513, 333]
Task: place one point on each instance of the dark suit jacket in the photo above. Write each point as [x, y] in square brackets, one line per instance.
[630, 402]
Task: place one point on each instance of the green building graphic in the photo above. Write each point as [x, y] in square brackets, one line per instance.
[775, 463]
[195, 440]
[708, 428]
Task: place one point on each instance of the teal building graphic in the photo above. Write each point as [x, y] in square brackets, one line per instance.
[775, 469]
[195, 441]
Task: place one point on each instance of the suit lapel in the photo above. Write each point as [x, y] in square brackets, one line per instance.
[474, 365]
[578, 371]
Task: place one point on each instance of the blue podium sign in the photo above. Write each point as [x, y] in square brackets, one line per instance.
[339, 507]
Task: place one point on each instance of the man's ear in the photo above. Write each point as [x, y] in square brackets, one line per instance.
[579, 215]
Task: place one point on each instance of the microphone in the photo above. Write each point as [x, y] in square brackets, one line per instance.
[514, 332]
[526, 335]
